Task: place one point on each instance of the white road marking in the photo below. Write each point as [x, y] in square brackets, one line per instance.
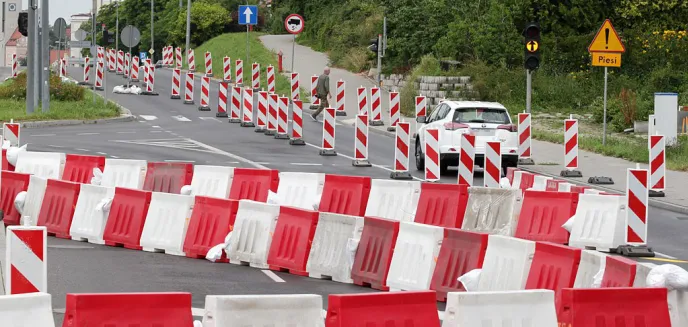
[85, 150]
[155, 126]
[210, 118]
[181, 118]
[197, 312]
[56, 146]
[156, 131]
[273, 276]
[114, 157]
[305, 164]
[225, 153]
[263, 163]
[102, 153]
[87, 133]
[126, 132]
[666, 256]
[232, 162]
[147, 117]
[42, 135]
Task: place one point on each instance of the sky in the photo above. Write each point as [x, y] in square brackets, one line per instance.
[63, 8]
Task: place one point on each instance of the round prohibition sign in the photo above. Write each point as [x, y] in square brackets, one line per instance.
[294, 24]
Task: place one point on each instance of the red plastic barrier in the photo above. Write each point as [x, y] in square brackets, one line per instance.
[291, 242]
[629, 307]
[347, 195]
[167, 177]
[212, 219]
[461, 252]
[527, 180]
[58, 206]
[543, 213]
[12, 183]
[554, 268]
[618, 272]
[399, 309]
[553, 185]
[79, 169]
[253, 184]
[127, 217]
[6, 164]
[510, 173]
[442, 204]
[374, 253]
[578, 189]
[128, 309]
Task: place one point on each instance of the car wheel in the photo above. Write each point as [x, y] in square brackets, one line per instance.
[420, 160]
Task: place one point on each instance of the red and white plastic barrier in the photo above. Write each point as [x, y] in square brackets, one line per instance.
[189, 88]
[226, 69]
[178, 57]
[375, 114]
[297, 124]
[261, 123]
[150, 85]
[190, 60]
[657, 163]
[402, 142]
[361, 141]
[87, 70]
[524, 140]
[176, 82]
[432, 155]
[314, 84]
[15, 65]
[247, 109]
[239, 72]
[571, 144]
[421, 106]
[222, 100]
[27, 248]
[493, 164]
[273, 100]
[362, 97]
[112, 60]
[127, 64]
[208, 64]
[637, 202]
[394, 110]
[339, 98]
[295, 86]
[63, 67]
[205, 94]
[99, 76]
[135, 69]
[282, 117]
[100, 54]
[271, 78]
[120, 62]
[467, 159]
[165, 58]
[10, 133]
[328, 136]
[145, 73]
[255, 75]
[235, 105]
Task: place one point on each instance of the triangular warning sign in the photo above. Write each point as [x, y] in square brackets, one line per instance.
[607, 40]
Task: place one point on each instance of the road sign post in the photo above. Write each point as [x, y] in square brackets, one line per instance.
[294, 25]
[131, 36]
[248, 15]
[606, 49]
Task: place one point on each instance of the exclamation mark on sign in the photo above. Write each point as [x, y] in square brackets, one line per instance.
[606, 38]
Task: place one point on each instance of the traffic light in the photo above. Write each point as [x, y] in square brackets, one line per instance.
[23, 23]
[374, 46]
[106, 36]
[532, 46]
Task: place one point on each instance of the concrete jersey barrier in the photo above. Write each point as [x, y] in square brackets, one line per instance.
[492, 210]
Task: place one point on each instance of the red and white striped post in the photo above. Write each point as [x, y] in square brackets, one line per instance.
[571, 149]
[170, 56]
[297, 124]
[262, 117]
[493, 164]
[362, 96]
[135, 69]
[432, 155]
[63, 67]
[282, 118]
[87, 70]
[375, 107]
[394, 110]
[150, 85]
[361, 142]
[112, 61]
[222, 100]
[235, 105]
[295, 86]
[226, 69]
[189, 88]
[421, 106]
[178, 57]
[11, 133]
[657, 165]
[208, 64]
[637, 201]
[247, 113]
[239, 72]
[27, 270]
[314, 99]
[467, 159]
[190, 60]
[15, 65]
[328, 137]
[271, 78]
[205, 94]
[273, 103]
[339, 98]
[145, 73]
[99, 76]
[127, 64]
[401, 153]
[524, 140]
[120, 62]
[100, 53]
[165, 49]
[255, 76]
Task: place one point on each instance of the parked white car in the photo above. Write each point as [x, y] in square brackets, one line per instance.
[488, 121]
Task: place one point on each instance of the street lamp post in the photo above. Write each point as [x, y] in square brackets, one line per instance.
[117, 26]
[188, 24]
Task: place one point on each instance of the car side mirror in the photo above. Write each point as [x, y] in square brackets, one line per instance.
[421, 119]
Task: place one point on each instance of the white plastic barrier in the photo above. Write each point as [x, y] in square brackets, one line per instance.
[678, 308]
[492, 210]
[506, 264]
[516, 182]
[41, 164]
[253, 228]
[600, 222]
[34, 199]
[124, 173]
[166, 223]
[91, 213]
[540, 183]
[300, 190]
[302, 310]
[590, 264]
[415, 256]
[565, 187]
[26, 310]
[334, 246]
[514, 308]
[642, 269]
[396, 200]
[591, 191]
[214, 181]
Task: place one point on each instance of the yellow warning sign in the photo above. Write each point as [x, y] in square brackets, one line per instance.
[605, 59]
[532, 46]
[607, 40]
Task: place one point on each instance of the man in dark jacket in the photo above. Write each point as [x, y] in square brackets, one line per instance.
[322, 91]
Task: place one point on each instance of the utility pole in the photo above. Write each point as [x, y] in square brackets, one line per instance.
[117, 26]
[152, 24]
[379, 58]
[30, 58]
[93, 46]
[45, 55]
[188, 24]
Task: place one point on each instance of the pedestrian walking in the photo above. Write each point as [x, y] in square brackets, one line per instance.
[322, 91]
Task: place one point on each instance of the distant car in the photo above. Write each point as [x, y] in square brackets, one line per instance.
[158, 64]
[488, 121]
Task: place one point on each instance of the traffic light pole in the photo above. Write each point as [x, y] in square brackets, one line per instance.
[379, 58]
[529, 89]
[45, 55]
[30, 58]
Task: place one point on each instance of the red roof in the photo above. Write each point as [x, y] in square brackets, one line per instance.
[13, 39]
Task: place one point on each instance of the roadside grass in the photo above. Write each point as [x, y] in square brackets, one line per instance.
[233, 45]
[59, 110]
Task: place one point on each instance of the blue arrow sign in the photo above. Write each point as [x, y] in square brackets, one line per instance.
[248, 15]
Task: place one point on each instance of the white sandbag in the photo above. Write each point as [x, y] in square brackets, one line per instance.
[19, 202]
[568, 225]
[13, 154]
[186, 190]
[470, 280]
[97, 176]
[504, 183]
[670, 276]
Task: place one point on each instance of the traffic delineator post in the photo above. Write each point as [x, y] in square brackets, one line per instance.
[361, 142]
[247, 109]
[657, 165]
[26, 266]
[99, 76]
[401, 153]
[315, 102]
[375, 114]
[120, 62]
[189, 88]
[421, 106]
[466, 159]
[282, 117]
[178, 55]
[273, 102]
[205, 94]
[432, 155]
[135, 69]
[339, 98]
[297, 124]
[261, 123]
[294, 86]
[362, 97]
[150, 84]
[226, 69]
[328, 137]
[87, 71]
[239, 72]
[394, 110]
[208, 64]
[255, 76]
[524, 139]
[176, 83]
[493, 164]
[127, 64]
[190, 60]
[15, 65]
[270, 76]
[235, 105]
[571, 149]
[222, 100]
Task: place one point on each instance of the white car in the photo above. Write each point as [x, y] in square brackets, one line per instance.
[488, 121]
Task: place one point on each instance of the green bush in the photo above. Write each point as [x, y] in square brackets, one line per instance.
[15, 89]
[429, 65]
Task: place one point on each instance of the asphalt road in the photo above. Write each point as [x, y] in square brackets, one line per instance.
[168, 130]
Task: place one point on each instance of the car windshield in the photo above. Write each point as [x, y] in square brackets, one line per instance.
[481, 115]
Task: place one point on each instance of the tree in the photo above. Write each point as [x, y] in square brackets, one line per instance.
[208, 19]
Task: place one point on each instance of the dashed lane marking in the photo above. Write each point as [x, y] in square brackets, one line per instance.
[305, 164]
[155, 126]
[84, 150]
[82, 134]
[210, 118]
[126, 132]
[56, 146]
[147, 117]
[102, 153]
[181, 118]
[273, 276]
[42, 135]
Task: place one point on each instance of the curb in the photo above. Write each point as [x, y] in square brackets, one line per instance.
[125, 116]
[653, 203]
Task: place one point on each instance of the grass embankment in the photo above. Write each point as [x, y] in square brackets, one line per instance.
[233, 45]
